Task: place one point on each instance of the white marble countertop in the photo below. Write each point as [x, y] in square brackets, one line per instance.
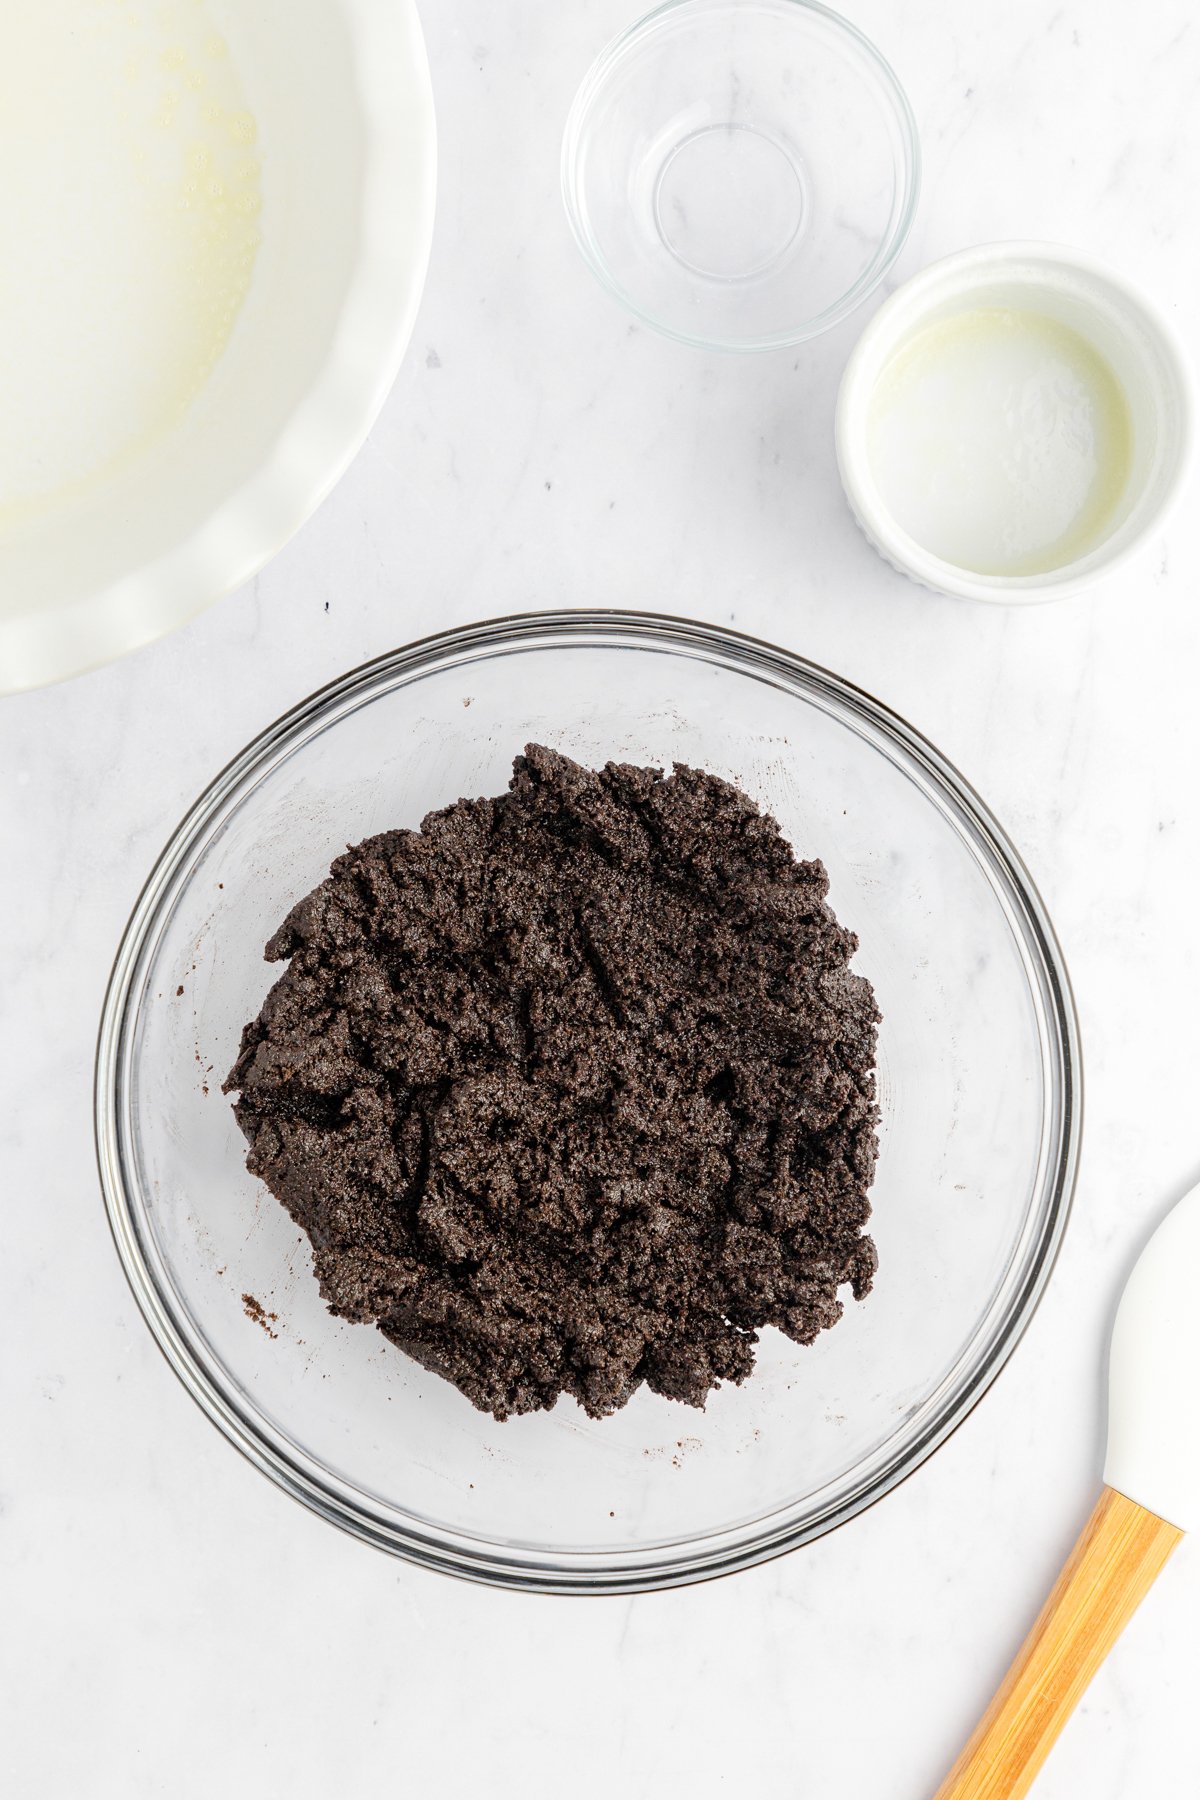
[172, 1624]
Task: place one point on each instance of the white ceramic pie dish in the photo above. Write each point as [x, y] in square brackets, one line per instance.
[344, 132]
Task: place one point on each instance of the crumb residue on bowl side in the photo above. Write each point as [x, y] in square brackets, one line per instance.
[254, 1309]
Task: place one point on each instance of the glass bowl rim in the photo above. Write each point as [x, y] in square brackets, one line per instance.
[571, 162]
[447, 1549]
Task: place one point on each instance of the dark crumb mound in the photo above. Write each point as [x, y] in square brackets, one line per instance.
[572, 1089]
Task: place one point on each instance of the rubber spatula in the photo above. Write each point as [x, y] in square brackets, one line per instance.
[1151, 1495]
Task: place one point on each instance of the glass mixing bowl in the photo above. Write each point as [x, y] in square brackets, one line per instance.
[979, 1090]
[741, 173]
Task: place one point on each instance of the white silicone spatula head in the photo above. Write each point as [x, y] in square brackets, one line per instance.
[1154, 1374]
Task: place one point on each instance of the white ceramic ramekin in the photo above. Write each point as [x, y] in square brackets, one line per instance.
[1127, 332]
[341, 93]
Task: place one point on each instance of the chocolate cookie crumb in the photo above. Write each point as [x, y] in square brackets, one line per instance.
[572, 1089]
[254, 1309]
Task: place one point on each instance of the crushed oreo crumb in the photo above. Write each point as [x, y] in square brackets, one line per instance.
[572, 1089]
[254, 1309]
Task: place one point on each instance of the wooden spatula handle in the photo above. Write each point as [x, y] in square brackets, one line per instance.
[1119, 1553]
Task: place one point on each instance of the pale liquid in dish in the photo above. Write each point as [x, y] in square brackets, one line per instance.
[129, 227]
[1001, 441]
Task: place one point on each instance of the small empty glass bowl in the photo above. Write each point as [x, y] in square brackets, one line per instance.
[741, 173]
[978, 1086]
